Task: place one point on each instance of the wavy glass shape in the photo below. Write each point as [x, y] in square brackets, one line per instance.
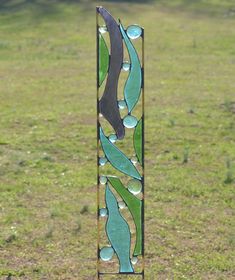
[138, 141]
[117, 158]
[134, 81]
[103, 59]
[118, 232]
[134, 205]
[108, 104]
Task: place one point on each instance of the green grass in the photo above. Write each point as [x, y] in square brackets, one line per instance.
[48, 138]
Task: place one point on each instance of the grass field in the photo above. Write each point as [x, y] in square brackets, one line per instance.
[48, 138]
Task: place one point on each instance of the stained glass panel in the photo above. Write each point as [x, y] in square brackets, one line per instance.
[120, 186]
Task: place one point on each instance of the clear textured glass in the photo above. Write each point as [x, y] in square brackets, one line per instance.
[130, 121]
[103, 59]
[134, 186]
[134, 31]
[106, 253]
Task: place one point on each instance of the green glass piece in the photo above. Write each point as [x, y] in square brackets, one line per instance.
[133, 84]
[117, 158]
[134, 205]
[138, 141]
[103, 59]
[118, 232]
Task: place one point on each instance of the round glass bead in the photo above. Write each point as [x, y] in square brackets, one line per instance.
[134, 160]
[103, 29]
[134, 186]
[122, 104]
[106, 253]
[103, 212]
[113, 138]
[130, 121]
[102, 161]
[134, 260]
[134, 31]
[103, 180]
[121, 204]
[126, 66]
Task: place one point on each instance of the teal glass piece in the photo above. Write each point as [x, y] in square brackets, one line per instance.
[118, 232]
[138, 141]
[117, 158]
[134, 205]
[133, 84]
[130, 121]
[103, 59]
[134, 31]
[106, 253]
[103, 212]
[134, 186]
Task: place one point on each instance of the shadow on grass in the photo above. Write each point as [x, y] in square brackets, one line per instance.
[14, 6]
[46, 7]
[206, 7]
[132, 1]
[39, 8]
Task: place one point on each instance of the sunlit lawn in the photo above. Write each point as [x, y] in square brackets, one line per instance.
[48, 138]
